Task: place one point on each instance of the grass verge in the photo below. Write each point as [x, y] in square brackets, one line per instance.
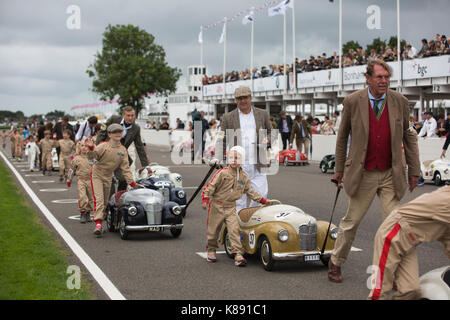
[33, 265]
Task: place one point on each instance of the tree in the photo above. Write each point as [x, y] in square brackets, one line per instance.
[393, 42]
[130, 67]
[56, 114]
[350, 45]
[376, 45]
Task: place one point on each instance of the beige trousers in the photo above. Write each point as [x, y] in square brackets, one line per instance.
[372, 183]
[395, 261]
[47, 161]
[303, 146]
[217, 216]
[64, 165]
[85, 198]
[100, 189]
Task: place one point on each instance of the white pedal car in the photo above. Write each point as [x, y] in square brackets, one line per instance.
[435, 285]
[437, 171]
[55, 162]
[161, 172]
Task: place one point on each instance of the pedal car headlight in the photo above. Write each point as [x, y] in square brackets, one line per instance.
[334, 233]
[176, 210]
[446, 171]
[132, 211]
[283, 235]
[181, 194]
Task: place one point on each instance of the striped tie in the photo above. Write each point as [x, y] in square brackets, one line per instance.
[376, 103]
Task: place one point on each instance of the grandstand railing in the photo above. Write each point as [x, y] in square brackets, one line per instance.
[413, 73]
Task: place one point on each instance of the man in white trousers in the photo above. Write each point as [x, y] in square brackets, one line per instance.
[251, 128]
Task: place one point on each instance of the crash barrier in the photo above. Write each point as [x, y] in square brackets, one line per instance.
[322, 145]
[432, 67]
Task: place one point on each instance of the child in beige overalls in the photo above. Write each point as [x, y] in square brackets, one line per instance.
[81, 167]
[424, 219]
[221, 193]
[67, 147]
[110, 155]
[46, 147]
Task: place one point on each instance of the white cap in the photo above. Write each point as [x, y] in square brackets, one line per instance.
[239, 150]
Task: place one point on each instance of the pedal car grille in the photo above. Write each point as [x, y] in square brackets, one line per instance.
[165, 193]
[308, 236]
[154, 213]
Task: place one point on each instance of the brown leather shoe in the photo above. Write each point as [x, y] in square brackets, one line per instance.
[334, 272]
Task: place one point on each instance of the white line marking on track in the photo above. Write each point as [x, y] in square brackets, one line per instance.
[203, 254]
[104, 282]
[65, 201]
[34, 175]
[43, 181]
[356, 249]
[53, 190]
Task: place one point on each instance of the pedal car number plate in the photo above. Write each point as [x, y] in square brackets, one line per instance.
[154, 229]
[312, 257]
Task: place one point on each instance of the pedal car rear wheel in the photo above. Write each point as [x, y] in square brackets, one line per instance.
[176, 232]
[110, 221]
[265, 254]
[325, 260]
[122, 231]
[437, 179]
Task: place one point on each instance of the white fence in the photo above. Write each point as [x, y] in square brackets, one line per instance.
[430, 148]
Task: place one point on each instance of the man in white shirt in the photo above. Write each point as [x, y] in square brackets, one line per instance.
[253, 124]
[429, 126]
[337, 121]
[411, 51]
[87, 129]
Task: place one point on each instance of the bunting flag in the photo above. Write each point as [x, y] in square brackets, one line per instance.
[200, 36]
[243, 12]
[248, 18]
[280, 8]
[224, 32]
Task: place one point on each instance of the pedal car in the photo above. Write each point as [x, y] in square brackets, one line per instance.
[55, 162]
[167, 188]
[161, 172]
[292, 156]
[327, 163]
[143, 210]
[435, 285]
[282, 232]
[437, 171]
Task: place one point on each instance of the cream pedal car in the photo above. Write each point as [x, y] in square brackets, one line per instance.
[161, 172]
[437, 171]
[282, 232]
[435, 285]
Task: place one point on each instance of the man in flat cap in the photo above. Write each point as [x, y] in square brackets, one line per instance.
[250, 128]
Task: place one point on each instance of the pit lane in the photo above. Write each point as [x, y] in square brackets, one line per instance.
[156, 266]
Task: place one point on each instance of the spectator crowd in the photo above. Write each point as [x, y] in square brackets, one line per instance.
[434, 47]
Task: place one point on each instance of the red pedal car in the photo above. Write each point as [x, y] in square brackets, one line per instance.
[292, 156]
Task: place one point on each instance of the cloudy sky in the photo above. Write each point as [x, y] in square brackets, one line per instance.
[43, 62]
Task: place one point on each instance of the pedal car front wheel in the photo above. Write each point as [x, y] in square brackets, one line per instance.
[265, 254]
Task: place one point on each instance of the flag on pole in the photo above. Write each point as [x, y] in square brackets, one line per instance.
[248, 18]
[280, 8]
[224, 32]
[200, 36]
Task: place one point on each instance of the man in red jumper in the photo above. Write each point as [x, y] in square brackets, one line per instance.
[376, 120]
